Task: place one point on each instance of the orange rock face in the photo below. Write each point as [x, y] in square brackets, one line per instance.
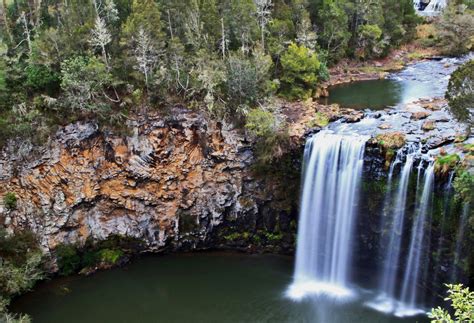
[171, 178]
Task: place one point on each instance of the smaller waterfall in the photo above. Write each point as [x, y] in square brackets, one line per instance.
[459, 242]
[332, 172]
[436, 5]
[411, 277]
[386, 300]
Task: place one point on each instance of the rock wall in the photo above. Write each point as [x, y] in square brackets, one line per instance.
[180, 182]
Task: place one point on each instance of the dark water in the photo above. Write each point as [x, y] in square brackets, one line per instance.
[423, 80]
[377, 94]
[208, 287]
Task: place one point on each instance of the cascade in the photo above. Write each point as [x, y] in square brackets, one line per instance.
[411, 277]
[332, 172]
[436, 5]
[459, 241]
[385, 301]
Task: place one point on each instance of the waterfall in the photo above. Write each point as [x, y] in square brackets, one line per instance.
[436, 5]
[332, 171]
[459, 241]
[417, 245]
[385, 301]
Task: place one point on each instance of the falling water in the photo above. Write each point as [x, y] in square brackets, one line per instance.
[436, 5]
[333, 167]
[415, 253]
[385, 301]
[459, 242]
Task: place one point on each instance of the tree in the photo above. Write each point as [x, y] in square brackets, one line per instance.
[300, 69]
[146, 55]
[264, 12]
[101, 38]
[460, 93]
[370, 43]
[462, 301]
[455, 30]
[84, 83]
[334, 32]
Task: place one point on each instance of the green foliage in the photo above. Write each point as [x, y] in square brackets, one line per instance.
[370, 42]
[69, 260]
[41, 78]
[462, 301]
[464, 186]
[20, 268]
[10, 200]
[446, 163]
[110, 256]
[84, 81]
[455, 30]
[300, 70]
[460, 94]
[227, 57]
[320, 120]
[261, 123]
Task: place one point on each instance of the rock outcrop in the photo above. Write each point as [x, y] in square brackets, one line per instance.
[177, 182]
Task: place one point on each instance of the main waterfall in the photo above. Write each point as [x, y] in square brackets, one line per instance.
[332, 171]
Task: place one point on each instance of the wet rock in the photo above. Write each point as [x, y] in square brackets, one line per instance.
[428, 126]
[438, 141]
[385, 126]
[420, 115]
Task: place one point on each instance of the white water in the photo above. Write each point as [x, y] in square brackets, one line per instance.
[333, 167]
[411, 277]
[459, 241]
[385, 302]
[436, 5]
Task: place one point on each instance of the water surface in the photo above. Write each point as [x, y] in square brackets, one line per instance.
[204, 287]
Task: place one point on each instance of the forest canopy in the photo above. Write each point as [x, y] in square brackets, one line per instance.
[62, 61]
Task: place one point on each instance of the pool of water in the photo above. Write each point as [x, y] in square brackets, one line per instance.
[423, 80]
[203, 287]
[377, 94]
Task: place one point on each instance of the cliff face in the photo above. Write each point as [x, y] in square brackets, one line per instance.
[179, 182]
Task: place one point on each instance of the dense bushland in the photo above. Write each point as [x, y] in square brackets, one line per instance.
[61, 61]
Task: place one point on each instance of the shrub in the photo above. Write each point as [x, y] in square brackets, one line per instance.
[10, 200]
[455, 30]
[69, 260]
[462, 301]
[460, 94]
[16, 248]
[464, 186]
[110, 256]
[300, 70]
[446, 163]
[41, 78]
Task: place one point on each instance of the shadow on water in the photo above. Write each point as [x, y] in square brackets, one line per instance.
[203, 287]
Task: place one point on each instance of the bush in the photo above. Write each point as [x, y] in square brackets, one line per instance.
[300, 70]
[110, 256]
[41, 78]
[69, 260]
[460, 94]
[462, 301]
[464, 186]
[370, 42]
[16, 248]
[10, 200]
[455, 30]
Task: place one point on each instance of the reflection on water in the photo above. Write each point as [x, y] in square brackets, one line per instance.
[209, 287]
[378, 94]
[425, 79]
